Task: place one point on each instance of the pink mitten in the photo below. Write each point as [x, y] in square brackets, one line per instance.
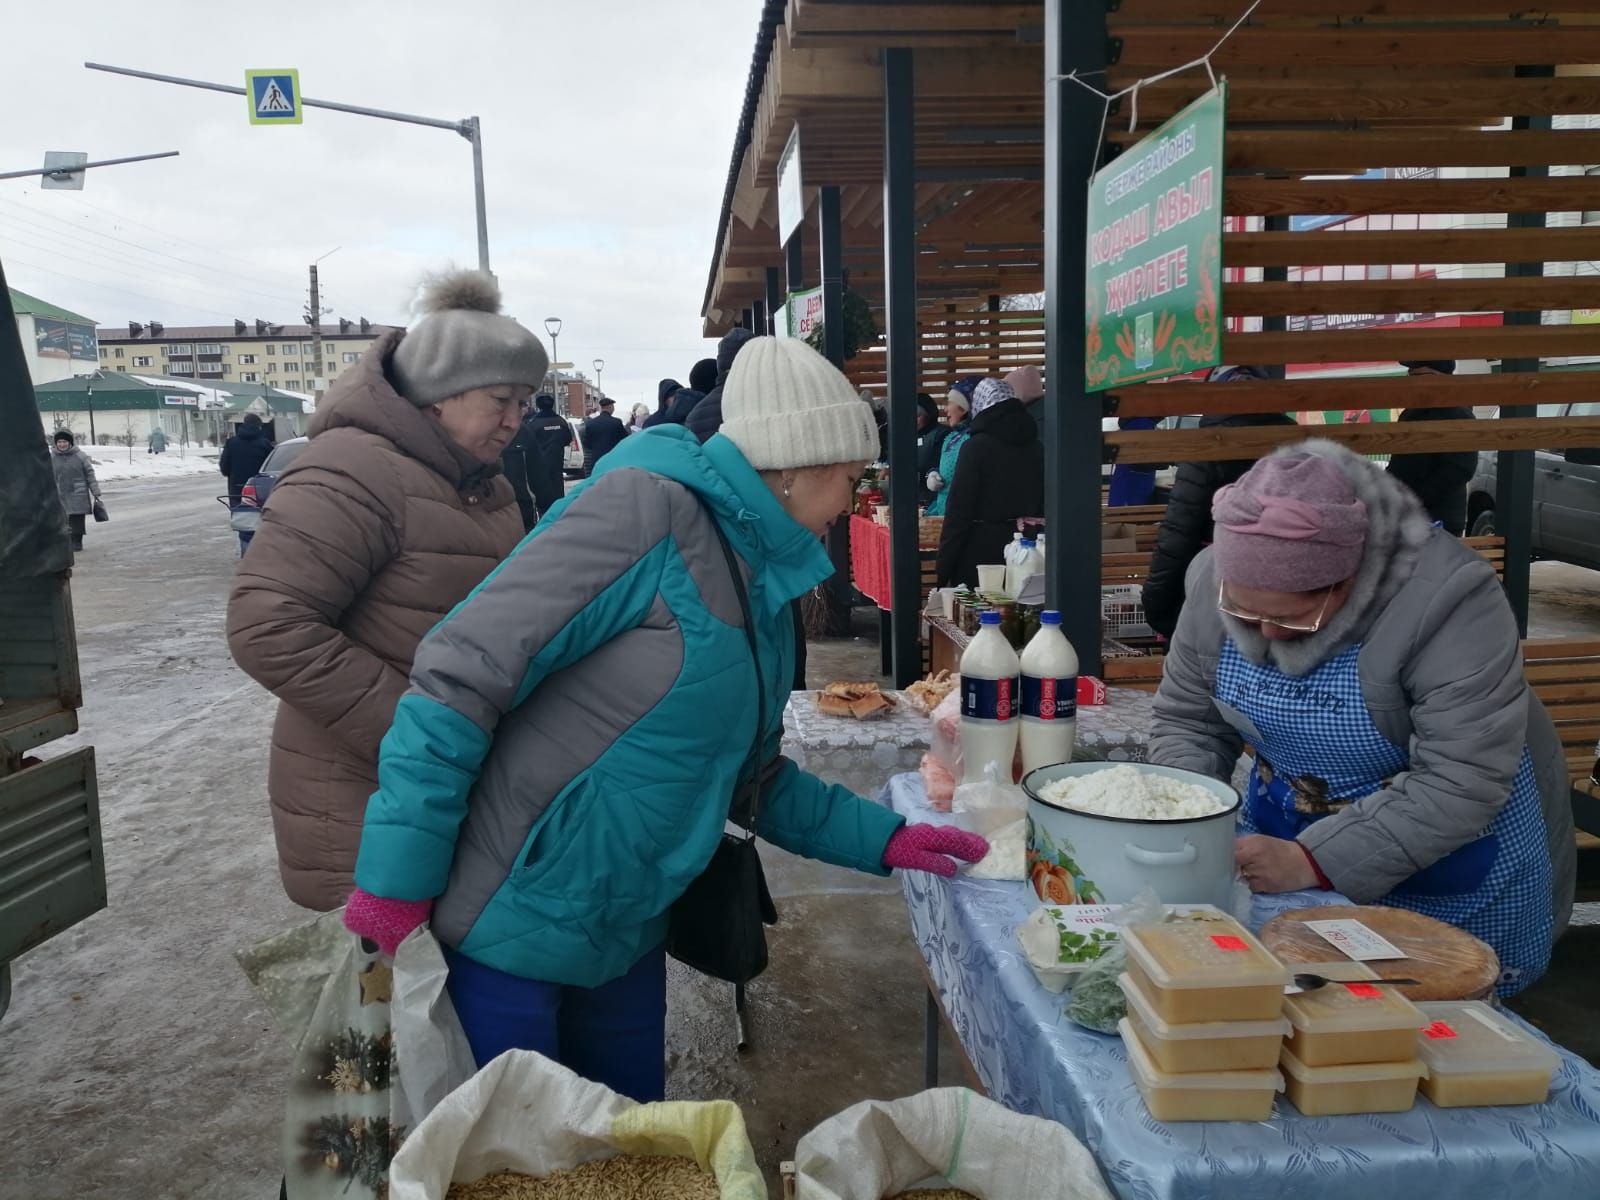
[923, 848]
[386, 922]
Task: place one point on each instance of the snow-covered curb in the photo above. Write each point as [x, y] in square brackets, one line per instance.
[111, 463]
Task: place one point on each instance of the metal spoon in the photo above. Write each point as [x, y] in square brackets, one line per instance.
[1310, 983]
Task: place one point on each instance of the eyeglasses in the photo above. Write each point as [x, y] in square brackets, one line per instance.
[1256, 619]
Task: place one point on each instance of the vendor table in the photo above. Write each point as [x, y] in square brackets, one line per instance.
[1030, 1058]
[870, 572]
[858, 754]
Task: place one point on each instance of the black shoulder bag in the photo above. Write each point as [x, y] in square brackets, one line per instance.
[716, 926]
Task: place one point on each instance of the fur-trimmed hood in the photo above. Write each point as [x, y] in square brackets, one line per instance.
[1398, 527]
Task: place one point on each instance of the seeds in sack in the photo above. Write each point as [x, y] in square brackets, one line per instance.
[625, 1177]
[935, 1194]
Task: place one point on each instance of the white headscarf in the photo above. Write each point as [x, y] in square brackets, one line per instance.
[991, 392]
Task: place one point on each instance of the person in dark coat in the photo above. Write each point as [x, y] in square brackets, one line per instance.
[665, 391]
[243, 454]
[525, 466]
[551, 434]
[1438, 480]
[602, 433]
[930, 441]
[706, 418]
[1000, 478]
[75, 483]
[1186, 527]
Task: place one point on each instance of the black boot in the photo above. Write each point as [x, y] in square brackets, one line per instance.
[77, 545]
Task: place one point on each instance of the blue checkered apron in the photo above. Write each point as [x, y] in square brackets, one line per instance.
[1318, 750]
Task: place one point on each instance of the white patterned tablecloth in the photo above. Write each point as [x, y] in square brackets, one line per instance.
[1035, 1061]
[862, 754]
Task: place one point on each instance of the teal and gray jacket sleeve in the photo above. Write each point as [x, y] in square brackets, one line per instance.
[575, 729]
[574, 586]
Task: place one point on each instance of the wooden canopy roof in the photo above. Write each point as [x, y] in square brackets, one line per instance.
[1317, 87]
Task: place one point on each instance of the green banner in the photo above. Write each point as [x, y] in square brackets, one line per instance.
[1154, 280]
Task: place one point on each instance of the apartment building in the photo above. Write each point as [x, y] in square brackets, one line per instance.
[282, 356]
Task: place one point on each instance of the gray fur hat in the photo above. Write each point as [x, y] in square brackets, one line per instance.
[463, 342]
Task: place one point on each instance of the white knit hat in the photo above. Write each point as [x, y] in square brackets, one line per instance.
[785, 406]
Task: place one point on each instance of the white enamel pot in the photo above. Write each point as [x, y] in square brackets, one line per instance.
[1085, 858]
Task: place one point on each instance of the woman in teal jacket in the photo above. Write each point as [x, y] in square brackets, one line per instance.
[956, 407]
[561, 769]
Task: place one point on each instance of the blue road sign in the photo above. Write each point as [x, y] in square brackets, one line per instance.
[274, 97]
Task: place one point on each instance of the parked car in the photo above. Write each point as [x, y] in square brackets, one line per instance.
[572, 456]
[245, 516]
[1566, 498]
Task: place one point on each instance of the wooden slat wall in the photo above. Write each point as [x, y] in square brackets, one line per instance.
[1324, 87]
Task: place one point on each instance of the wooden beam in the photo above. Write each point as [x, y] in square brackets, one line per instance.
[1335, 197]
[1311, 151]
[1331, 395]
[1336, 247]
[1226, 12]
[1425, 437]
[1364, 47]
[1400, 342]
[896, 19]
[1333, 298]
[1302, 101]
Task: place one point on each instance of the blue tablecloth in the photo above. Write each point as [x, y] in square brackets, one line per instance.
[1033, 1060]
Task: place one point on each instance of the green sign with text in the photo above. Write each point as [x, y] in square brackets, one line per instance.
[1154, 281]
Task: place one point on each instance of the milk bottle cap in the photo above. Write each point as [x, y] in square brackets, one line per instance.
[989, 618]
[1049, 617]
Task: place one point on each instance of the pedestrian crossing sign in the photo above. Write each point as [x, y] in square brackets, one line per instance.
[274, 97]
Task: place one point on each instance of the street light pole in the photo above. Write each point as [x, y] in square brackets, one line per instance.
[599, 367]
[552, 326]
[468, 127]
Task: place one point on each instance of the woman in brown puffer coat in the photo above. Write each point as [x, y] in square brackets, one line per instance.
[395, 511]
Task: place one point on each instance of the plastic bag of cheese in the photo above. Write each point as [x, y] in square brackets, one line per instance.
[997, 811]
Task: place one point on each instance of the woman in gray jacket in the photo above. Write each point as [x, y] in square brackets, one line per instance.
[75, 483]
[1372, 664]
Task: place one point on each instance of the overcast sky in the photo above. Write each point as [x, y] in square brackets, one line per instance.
[607, 127]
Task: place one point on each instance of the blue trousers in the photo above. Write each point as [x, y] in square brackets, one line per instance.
[615, 1034]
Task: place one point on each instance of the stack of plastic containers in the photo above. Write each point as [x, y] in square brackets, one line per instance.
[1204, 1028]
[1353, 1048]
[1475, 1056]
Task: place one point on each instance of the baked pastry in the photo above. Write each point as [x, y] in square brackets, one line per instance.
[1451, 963]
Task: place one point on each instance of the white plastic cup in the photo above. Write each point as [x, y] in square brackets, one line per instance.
[992, 579]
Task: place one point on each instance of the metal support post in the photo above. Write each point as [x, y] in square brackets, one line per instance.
[794, 259]
[1276, 275]
[315, 317]
[900, 334]
[831, 253]
[1074, 39]
[831, 237]
[1514, 482]
[774, 300]
[472, 130]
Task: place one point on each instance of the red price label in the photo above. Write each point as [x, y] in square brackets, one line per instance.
[1363, 991]
[1226, 941]
[1439, 1029]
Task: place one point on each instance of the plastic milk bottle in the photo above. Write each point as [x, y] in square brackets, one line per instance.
[1049, 696]
[1022, 567]
[990, 693]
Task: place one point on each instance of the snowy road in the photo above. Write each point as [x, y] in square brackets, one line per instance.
[134, 1061]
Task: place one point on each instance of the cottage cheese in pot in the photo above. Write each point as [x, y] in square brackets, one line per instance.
[1129, 792]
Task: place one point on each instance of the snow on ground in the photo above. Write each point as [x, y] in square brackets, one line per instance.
[113, 462]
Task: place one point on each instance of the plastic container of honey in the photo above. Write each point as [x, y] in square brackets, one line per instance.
[1200, 1095]
[1205, 967]
[1351, 1021]
[1353, 1088]
[1208, 1046]
[1477, 1057]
